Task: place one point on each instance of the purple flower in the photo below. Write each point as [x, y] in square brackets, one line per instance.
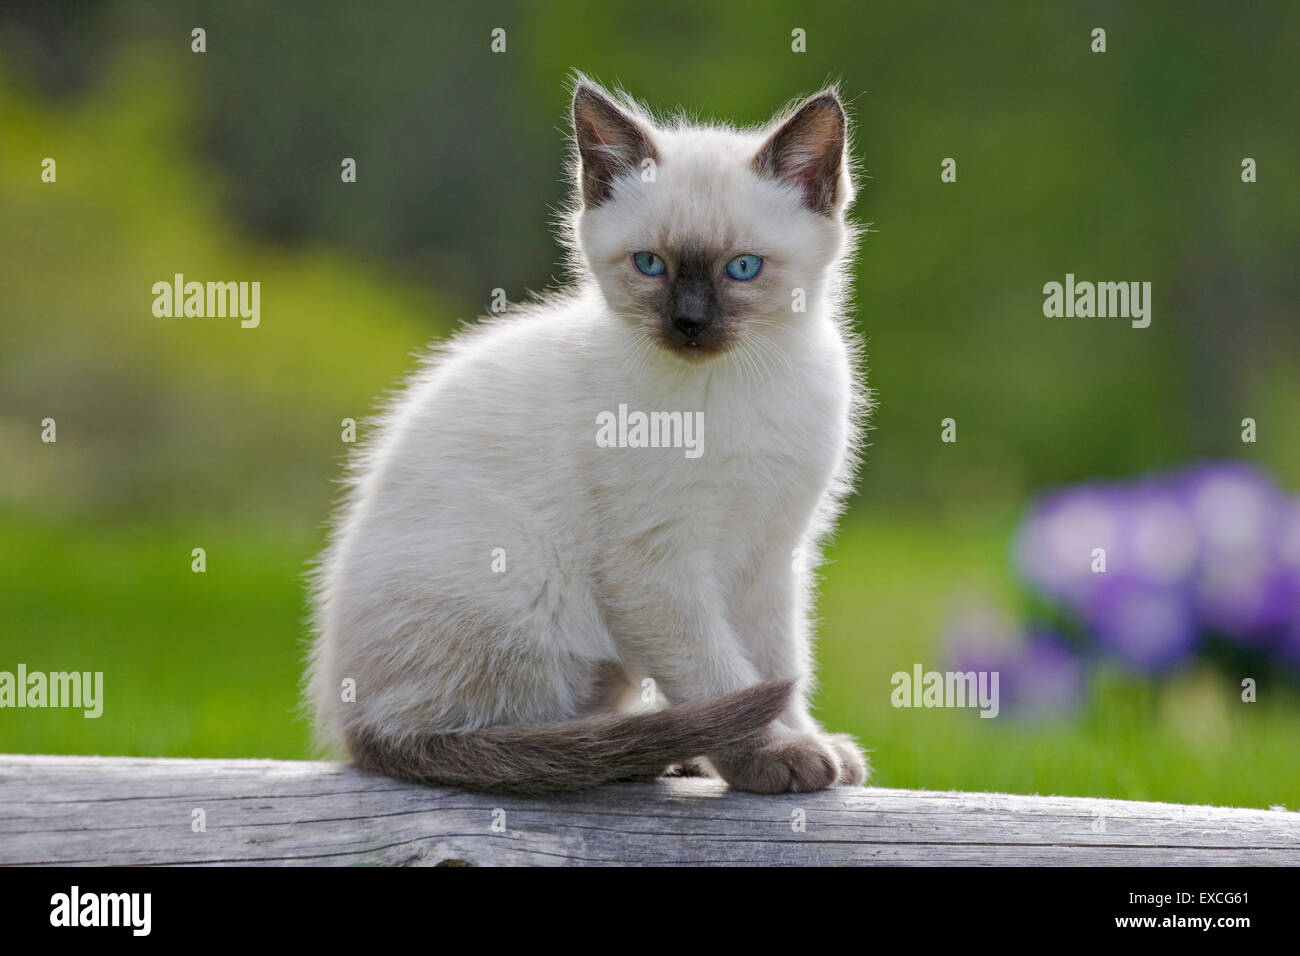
[1049, 678]
[979, 637]
[1214, 547]
[1288, 553]
[1160, 543]
[1244, 587]
[1150, 628]
[1054, 549]
[1037, 676]
[1235, 505]
[1288, 535]
[1150, 567]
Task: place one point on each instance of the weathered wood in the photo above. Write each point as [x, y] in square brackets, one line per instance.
[128, 811]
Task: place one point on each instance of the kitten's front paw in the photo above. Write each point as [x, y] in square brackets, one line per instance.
[794, 764]
[854, 768]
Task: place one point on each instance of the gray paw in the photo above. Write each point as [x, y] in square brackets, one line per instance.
[854, 768]
[785, 765]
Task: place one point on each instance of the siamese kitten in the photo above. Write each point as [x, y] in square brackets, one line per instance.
[501, 579]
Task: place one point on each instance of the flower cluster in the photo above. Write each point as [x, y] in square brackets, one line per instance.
[1152, 573]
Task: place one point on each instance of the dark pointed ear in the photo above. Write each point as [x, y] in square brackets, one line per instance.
[610, 141]
[807, 150]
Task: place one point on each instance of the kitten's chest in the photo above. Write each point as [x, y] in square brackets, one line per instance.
[754, 457]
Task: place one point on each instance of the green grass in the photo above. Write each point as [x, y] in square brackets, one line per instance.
[195, 665]
[207, 665]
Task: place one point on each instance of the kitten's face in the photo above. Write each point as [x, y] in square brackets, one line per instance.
[703, 236]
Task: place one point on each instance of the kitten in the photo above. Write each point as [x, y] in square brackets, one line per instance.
[499, 581]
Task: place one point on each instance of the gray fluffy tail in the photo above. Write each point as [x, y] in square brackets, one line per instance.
[575, 754]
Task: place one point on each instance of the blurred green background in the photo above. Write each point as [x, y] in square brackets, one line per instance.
[182, 433]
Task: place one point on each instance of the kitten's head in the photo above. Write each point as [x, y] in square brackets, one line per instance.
[704, 234]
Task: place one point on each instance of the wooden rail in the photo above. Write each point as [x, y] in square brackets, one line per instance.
[132, 811]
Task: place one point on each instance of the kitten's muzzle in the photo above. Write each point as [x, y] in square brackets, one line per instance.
[694, 312]
[690, 326]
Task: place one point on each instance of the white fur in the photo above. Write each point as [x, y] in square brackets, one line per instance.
[684, 570]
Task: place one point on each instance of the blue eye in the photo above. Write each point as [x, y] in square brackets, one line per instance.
[743, 268]
[649, 264]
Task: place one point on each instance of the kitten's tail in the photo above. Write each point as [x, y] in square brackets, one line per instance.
[574, 754]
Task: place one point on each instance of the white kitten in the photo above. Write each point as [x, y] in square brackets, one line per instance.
[500, 579]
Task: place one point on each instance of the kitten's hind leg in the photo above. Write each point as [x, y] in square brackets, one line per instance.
[697, 767]
[611, 690]
[615, 691]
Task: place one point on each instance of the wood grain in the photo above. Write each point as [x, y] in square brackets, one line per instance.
[131, 811]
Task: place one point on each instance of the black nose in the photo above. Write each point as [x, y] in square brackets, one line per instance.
[690, 325]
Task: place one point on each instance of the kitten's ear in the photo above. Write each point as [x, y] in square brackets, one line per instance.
[610, 141]
[807, 150]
